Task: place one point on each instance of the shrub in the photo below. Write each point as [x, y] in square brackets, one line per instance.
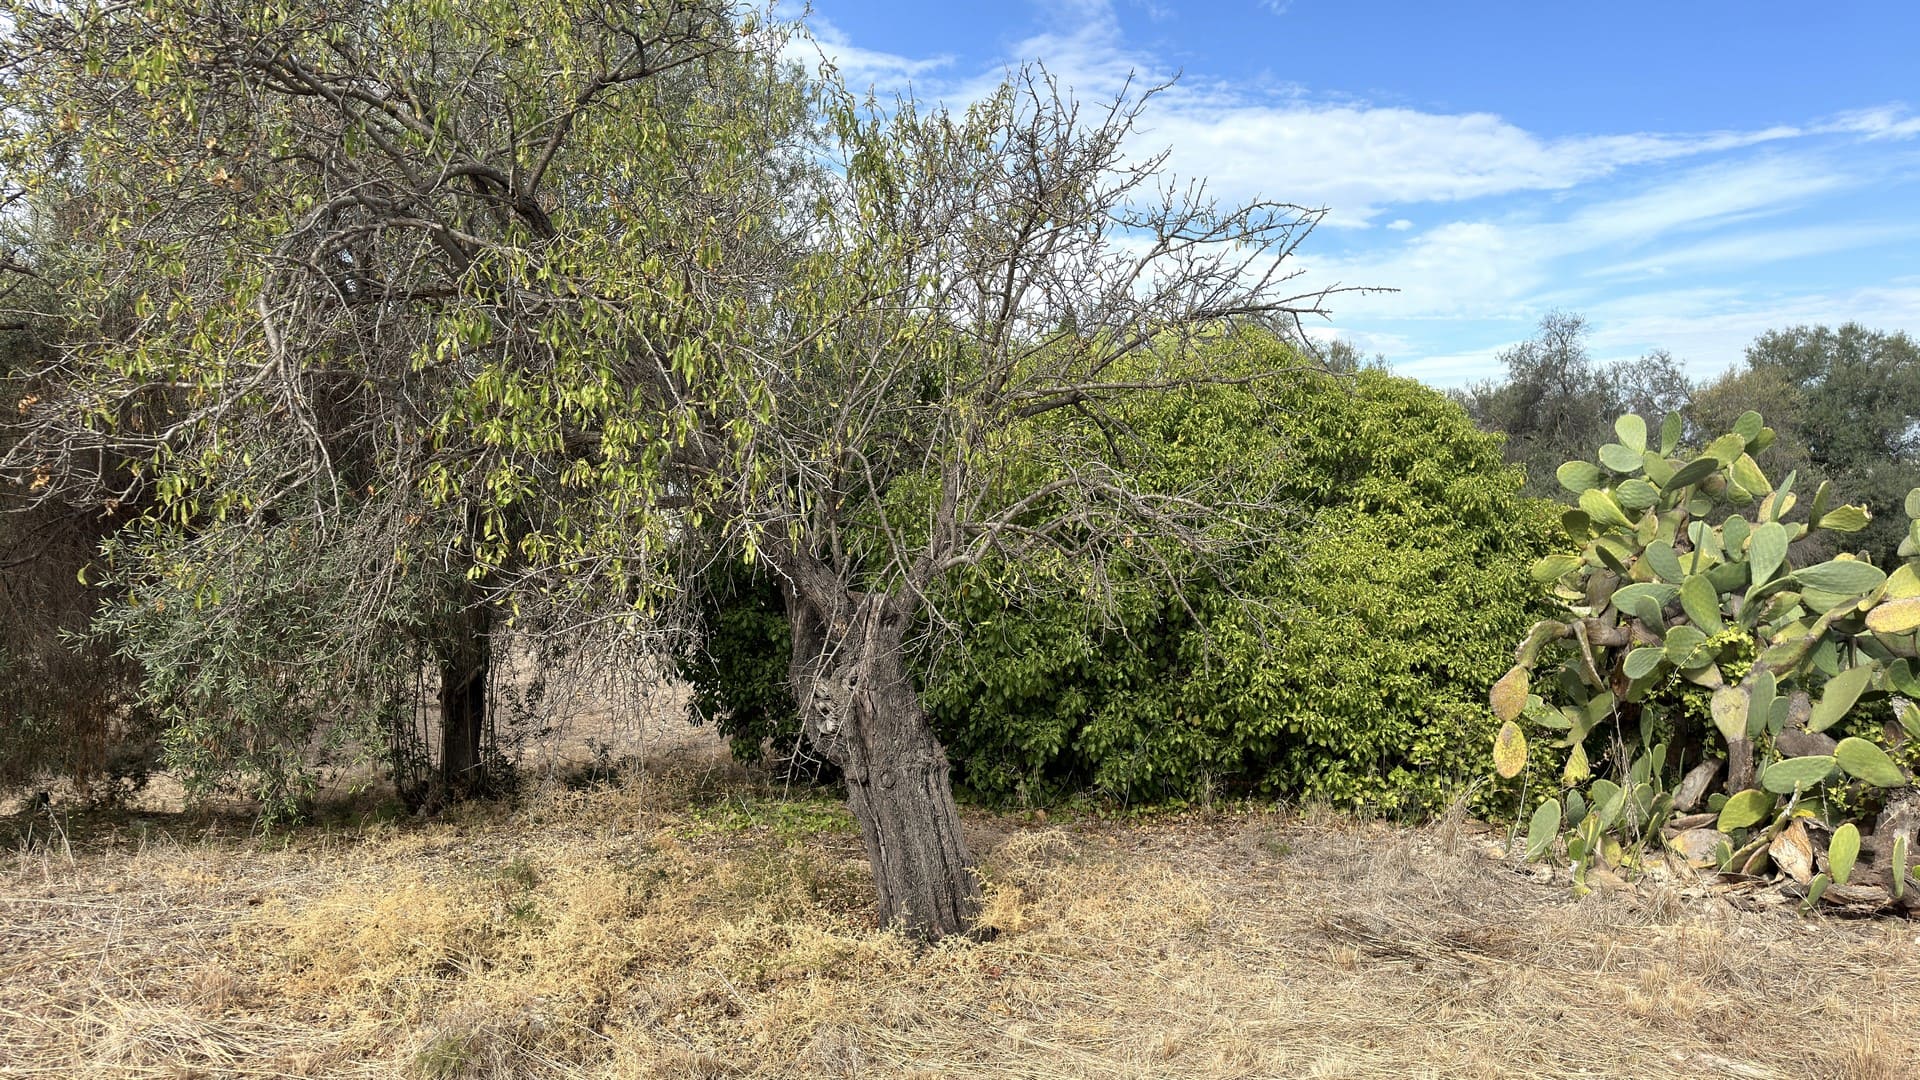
[1379, 607]
[1355, 678]
[740, 677]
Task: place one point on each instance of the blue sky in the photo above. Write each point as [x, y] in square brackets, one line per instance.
[1685, 174]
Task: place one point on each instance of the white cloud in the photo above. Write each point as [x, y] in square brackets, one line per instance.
[861, 68]
[1355, 158]
[1711, 328]
[1358, 159]
[1489, 268]
[1765, 246]
[1880, 122]
[1400, 225]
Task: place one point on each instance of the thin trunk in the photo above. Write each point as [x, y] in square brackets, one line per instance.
[861, 711]
[466, 660]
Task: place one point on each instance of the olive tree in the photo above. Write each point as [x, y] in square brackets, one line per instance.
[971, 272]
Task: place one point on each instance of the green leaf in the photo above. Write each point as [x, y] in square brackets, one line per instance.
[1543, 829]
[1841, 692]
[1621, 459]
[1693, 472]
[1746, 473]
[1729, 709]
[1578, 476]
[1701, 601]
[1845, 519]
[1682, 642]
[1816, 889]
[1745, 809]
[1554, 567]
[1842, 851]
[1608, 800]
[1865, 761]
[1766, 550]
[1636, 495]
[1605, 512]
[1749, 425]
[1642, 662]
[1632, 431]
[1660, 556]
[1913, 504]
[1733, 535]
[1727, 449]
[1787, 653]
[1902, 678]
[1795, 774]
[1553, 719]
[1611, 553]
[1578, 525]
[1849, 577]
[1658, 469]
[1670, 431]
[1761, 689]
[1628, 597]
[1728, 577]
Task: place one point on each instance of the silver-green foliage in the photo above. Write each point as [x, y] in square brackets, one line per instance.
[1689, 643]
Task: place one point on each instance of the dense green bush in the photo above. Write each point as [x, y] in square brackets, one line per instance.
[1385, 601]
[261, 659]
[1386, 597]
[740, 677]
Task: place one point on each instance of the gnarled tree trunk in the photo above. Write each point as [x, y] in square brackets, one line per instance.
[860, 710]
[466, 660]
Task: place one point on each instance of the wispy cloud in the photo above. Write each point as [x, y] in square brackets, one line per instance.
[1361, 159]
[1758, 247]
[861, 68]
[1880, 122]
[1490, 267]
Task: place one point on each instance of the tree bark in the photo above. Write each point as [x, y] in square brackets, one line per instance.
[860, 710]
[466, 660]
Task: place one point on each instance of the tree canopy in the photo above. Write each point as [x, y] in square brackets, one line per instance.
[1555, 400]
[400, 324]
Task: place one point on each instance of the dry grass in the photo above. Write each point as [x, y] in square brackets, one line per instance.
[689, 923]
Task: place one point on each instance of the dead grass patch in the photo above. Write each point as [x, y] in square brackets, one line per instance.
[684, 924]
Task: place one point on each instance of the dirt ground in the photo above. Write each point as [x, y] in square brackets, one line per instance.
[688, 919]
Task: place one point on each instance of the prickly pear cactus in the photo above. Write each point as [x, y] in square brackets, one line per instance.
[1708, 695]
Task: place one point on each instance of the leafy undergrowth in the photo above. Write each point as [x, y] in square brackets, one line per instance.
[695, 924]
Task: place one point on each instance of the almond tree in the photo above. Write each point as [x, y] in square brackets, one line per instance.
[328, 268]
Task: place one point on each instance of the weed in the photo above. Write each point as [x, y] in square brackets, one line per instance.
[788, 820]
